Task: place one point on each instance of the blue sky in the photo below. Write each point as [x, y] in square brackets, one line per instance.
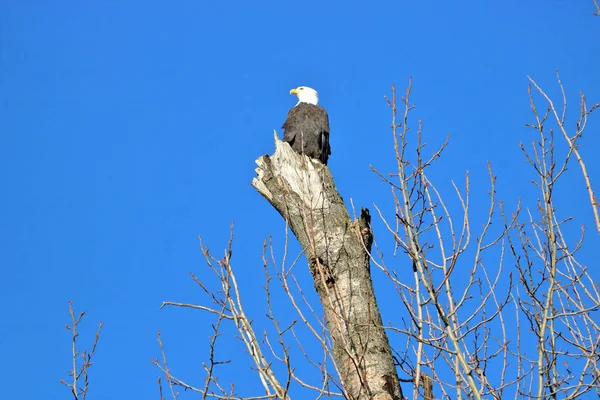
[129, 128]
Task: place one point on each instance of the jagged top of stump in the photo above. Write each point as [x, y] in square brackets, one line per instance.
[300, 174]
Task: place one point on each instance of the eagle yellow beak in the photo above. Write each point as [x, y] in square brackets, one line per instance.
[294, 91]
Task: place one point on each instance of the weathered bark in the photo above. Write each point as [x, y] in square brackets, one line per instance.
[337, 249]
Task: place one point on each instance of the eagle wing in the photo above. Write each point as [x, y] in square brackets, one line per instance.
[289, 133]
[322, 123]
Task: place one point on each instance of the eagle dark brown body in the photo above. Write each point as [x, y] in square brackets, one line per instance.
[306, 129]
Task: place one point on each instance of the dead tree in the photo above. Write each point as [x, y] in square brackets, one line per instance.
[473, 313]
[338, 252]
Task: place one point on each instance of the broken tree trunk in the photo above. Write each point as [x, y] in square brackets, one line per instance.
[337, 250]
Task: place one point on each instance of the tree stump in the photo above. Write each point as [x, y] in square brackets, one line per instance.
[302, 190]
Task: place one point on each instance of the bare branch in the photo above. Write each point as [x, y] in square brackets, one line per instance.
[80, 373]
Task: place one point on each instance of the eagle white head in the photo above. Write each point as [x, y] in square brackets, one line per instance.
[306, 95]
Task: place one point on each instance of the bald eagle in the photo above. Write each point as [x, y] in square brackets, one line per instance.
[306, 127]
